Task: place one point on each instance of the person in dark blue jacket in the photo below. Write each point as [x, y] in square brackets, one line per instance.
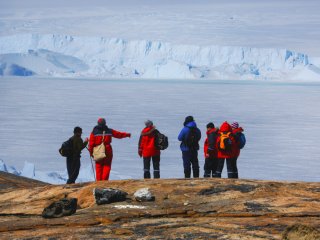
[190, 136]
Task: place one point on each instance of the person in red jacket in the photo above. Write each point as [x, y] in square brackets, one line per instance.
[148, 151]
[103, 167]
[226, 145]
[210, 151]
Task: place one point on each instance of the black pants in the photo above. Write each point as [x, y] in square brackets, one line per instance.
[231, 167]
[190, 158]
[210, 166]
[156, 166]
[73, 167]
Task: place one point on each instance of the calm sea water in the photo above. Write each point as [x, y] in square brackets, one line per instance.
[281, 122]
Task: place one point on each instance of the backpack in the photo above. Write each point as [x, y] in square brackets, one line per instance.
[241, 139]
[66, 148]
[225, 143]
[61, 208]
[192, 139]
[161, 141]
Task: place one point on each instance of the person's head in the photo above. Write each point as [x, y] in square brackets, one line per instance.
[77, 131]
[101, 122]
[235, 125]
[187, 120]
[148, 123]
[210, 125]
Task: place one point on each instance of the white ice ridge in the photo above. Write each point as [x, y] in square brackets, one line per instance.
[74, 56]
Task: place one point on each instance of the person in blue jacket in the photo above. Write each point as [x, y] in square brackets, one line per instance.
[190, 136]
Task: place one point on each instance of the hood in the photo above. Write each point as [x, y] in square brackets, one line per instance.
[240, 129]
[212, 130]
[191, 124]
[225, 127]
[148, 130]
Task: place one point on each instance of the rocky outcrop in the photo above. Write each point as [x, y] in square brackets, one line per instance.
[182, 209]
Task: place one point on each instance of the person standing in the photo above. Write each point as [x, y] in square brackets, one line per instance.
[210, 151]
[190, 136]
[226, 145]
[102, 132]
[73, 160]
[147, 150]
[240, 141]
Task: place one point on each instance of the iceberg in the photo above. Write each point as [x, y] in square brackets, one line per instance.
[99, 57]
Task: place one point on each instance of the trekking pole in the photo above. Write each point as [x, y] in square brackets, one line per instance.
[92, 165]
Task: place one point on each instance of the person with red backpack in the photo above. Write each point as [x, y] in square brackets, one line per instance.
[226, 151]
[210, 151]
[102, 133]
[147, 149]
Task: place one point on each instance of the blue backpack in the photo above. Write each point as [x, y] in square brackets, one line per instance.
[241, 139]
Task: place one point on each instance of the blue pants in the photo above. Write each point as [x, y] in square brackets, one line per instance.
[190, 159]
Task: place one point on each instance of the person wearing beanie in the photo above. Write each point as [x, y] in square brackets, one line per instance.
[147, 150]
[73, 161]
[210, 151]
[189, 137]
[240, 140]
[226, 145]
[102, 133]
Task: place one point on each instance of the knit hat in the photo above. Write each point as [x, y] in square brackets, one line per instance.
[187, 120]
[235, 125]
[210, 125]
[101, 122]
[148, 123]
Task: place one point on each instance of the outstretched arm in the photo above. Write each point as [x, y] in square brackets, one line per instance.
[117, 134]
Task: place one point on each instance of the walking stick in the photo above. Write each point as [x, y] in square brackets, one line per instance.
[92, 165]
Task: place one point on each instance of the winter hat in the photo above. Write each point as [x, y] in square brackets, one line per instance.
[210, 125]
[148, 123]
[235, 125]
[187, 120]
[101, 122]
[225, 127]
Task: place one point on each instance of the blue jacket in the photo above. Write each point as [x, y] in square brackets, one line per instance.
[184, 133]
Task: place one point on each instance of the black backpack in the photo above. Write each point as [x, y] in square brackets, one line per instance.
[161, 141]
[61, 208]
[192, 139]
[66, 148]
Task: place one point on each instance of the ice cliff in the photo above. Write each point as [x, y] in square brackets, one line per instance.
[75, 56]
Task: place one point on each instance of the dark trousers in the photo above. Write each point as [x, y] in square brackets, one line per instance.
[231, 167]
[190, 159]
[156, 166]
[210, 166]
[73, 167]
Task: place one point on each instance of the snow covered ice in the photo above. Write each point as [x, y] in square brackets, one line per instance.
[138, 59]
[57, 55]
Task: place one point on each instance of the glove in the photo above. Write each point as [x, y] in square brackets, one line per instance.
[129, 135]
[86, 140]
[140, 152]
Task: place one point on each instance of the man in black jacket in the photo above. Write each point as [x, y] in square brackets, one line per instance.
[73, 160]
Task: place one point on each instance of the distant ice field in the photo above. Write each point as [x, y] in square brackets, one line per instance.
[281, 122]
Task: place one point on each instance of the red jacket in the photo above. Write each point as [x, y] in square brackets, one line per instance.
[146, 142]
[225, 128]
[97, 134]
[236, 149]
[211, 143]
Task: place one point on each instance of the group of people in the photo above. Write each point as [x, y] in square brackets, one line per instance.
[222, 144]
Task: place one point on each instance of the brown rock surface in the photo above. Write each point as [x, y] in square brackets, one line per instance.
[183, 209]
